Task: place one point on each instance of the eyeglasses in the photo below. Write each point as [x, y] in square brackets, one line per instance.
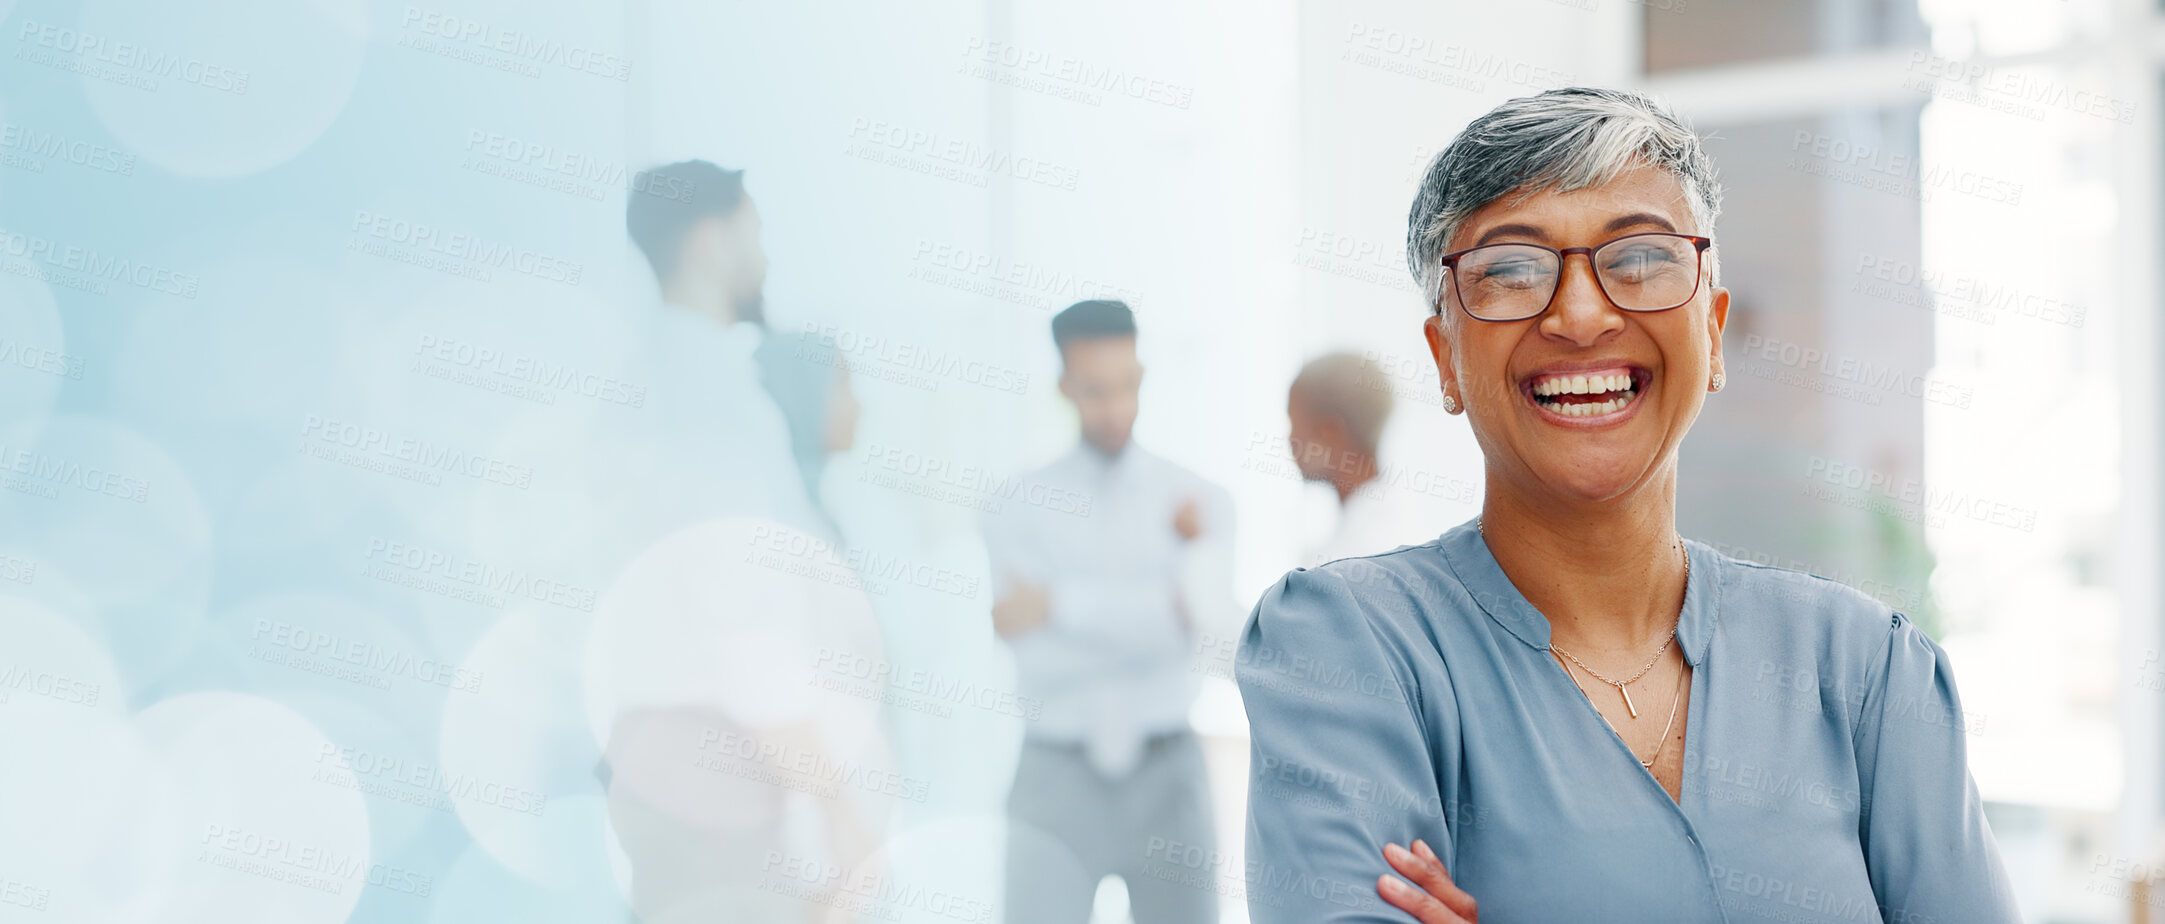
[1650, 271]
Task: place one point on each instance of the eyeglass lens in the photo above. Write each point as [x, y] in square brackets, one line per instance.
[1648, 272]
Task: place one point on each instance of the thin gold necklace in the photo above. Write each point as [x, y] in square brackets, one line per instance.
[1674, 699]
[1629, 706]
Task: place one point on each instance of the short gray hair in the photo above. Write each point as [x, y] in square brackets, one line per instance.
[1564, 139]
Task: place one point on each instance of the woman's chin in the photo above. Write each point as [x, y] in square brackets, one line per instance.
[1591, 480]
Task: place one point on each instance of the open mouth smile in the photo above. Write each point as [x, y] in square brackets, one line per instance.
[1587, 397]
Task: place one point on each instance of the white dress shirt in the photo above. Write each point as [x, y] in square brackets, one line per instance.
[709, 442]
[1371, 521]
[1127, 595]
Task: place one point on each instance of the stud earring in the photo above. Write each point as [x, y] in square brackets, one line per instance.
[1450, 404]
[1719, 380]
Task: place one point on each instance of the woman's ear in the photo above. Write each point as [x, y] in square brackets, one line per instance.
[1436, 329]
[1717, 319]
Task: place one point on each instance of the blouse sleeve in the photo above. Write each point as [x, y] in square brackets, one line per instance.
[1926, 843]
[1340, 762]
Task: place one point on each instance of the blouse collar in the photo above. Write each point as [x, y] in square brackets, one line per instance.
[1482, 577]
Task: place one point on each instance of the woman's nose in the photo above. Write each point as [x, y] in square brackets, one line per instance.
[1580, 312]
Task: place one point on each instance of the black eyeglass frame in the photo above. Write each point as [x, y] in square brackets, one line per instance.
[1449, 262]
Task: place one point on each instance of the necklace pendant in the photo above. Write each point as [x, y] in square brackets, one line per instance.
[1634, 710]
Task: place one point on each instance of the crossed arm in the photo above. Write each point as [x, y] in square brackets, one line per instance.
[1341, 773]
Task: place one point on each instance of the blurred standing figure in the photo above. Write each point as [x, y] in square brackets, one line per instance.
[1338, 406]
[709, 462]
[711, 433]
[1102, 589]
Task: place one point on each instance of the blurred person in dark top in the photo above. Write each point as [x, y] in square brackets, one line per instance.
[810, 383]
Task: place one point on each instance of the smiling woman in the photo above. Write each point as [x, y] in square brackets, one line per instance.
[1592, 717]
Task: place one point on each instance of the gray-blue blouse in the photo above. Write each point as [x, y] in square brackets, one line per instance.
[1411, 695]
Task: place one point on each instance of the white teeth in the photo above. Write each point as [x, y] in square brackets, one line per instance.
[1582, 385]
[1621, 386]
[1594, 409]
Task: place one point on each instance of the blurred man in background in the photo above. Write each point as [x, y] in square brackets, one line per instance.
[710, 430]
[698, 484]
[1338, 407]
[1101, 590]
